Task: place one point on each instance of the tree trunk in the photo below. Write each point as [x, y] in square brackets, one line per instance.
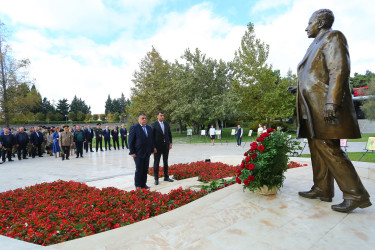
[4, 86]
[268, 122]
[180, 126]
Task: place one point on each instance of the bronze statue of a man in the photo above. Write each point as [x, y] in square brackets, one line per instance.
[325, 114]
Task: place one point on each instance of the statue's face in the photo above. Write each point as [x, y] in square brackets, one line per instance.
[312, 28]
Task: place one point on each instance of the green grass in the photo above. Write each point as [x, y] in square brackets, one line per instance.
[363, 139]
[228, 138]
[354, 156]
[225, 137]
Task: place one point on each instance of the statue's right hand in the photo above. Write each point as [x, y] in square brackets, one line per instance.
[292, 89]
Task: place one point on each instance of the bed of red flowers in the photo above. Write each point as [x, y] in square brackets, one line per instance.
[50, 213]
[206, 171]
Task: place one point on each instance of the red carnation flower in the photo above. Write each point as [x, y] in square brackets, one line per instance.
[251, 178]
[254, 155]
[238, 180]
[251, 166]
[245, 154]
[246, 182]
[261, 148]
[254, 144]
[247, 158]
[270, 130]
[260, 139]
[265, 134]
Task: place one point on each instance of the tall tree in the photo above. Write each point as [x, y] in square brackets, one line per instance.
[12, 73]
[62, 107]
[78, 105]
[200, 90]
[108, 105]
[151, 91]
[255, 82]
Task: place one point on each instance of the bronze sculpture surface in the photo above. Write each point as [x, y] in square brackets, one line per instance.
[325, 114]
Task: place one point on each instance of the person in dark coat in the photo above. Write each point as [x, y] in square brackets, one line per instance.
[124, 136]
[7, 142]
[107, 137]
[162, 138]
[141, 147]
[89, 134]
[99, 137]
[22, 139]
[79, 139]
[115, 138]
[36, 139]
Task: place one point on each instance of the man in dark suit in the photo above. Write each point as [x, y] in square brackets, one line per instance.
[89, 134]
[36, 139]
[7, 141]
[325, 114]
[141, 147]
[99, 137]
[163, 143]
[124, 136]
[22, 139]
[115, 139]
[107, 137]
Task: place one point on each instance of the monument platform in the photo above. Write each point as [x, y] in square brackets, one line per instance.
[235, 219]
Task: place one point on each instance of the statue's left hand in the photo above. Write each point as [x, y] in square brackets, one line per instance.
[329, 112]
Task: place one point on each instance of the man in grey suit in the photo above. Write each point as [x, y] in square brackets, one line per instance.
[325, 114]
[163, 143]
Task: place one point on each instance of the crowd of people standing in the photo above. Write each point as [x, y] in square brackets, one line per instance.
[58, 141]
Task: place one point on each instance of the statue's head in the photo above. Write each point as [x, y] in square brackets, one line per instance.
[320, 19]
[324, 17]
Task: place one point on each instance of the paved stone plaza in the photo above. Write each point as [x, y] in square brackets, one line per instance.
[226, 219]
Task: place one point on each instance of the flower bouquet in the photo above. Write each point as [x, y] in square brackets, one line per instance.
[266, 161]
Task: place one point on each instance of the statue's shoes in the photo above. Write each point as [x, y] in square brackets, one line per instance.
[315, 195]
[349, 205]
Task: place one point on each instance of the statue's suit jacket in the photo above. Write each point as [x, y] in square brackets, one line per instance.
[323, 77]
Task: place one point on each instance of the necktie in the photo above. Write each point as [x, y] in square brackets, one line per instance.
[162, 126]
[145, 130]
[37, 134]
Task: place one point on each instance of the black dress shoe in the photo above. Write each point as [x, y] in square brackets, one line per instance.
[169, 179]
[25, 158]
[315, 195]
[349, 205]
[156, 182]
[10, 160]
[40, 155]
[67, 158]
[147, 187]
[77, 156]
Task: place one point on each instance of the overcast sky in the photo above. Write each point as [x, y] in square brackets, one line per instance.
[90, 48]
